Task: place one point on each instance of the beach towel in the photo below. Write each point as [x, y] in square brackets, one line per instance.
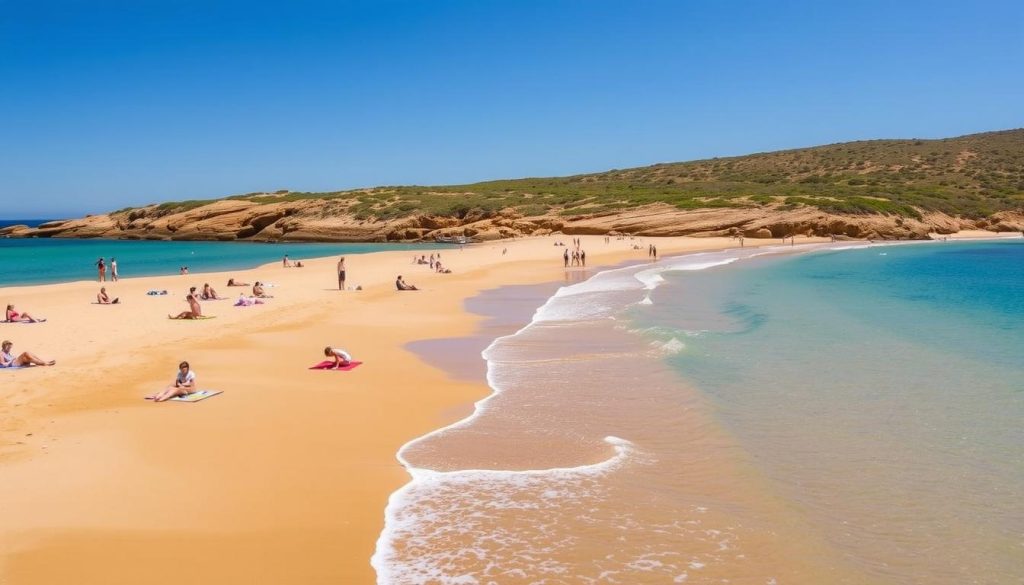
[156, 292]
[13, 368]
[25, 322]
[329, 365]
[196, 319]
[197, 396]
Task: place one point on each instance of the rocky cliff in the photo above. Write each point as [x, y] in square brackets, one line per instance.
[306, 221]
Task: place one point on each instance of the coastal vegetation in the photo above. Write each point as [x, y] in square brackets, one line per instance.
[970, 176]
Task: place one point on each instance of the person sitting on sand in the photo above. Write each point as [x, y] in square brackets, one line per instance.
[299, 264]
[257, 291]
[8, 360]
[340, 356]
[441, 269]
[13, 316]
[103, 298]
[208, 293]
[195, 311]
[402, 285]
[233, 282]
[184, 384]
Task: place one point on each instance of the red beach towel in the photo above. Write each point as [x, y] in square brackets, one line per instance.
[329, 365]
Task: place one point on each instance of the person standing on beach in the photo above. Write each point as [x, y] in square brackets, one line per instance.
[113, 269]
[654, 251]
[102, 268]
[285, 263]
[341, 273]
[565, 257]
[583, 257]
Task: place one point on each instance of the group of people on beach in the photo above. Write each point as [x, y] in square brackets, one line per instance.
[578, 257]
[101, 269]
[433, 263]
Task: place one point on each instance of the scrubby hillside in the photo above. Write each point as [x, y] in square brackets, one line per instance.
[878, 188]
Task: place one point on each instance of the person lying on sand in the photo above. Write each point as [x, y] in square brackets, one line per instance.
[104, 299]
[184, 384]
[208, 293]
[257, 291]
[13, 316]
[233, 282]
[341, 357]
[8, 360]
[244, 301]
[402, 285]
[195, 311]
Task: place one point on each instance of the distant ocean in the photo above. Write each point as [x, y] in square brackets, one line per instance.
[46, 260]
[747, 416]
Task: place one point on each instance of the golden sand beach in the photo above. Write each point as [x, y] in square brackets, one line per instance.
[285, 476]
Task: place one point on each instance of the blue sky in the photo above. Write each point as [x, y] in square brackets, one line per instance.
[109, 104]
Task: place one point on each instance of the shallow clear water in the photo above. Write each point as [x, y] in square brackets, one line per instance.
[42, 260]
[829, 417]
[882, 392]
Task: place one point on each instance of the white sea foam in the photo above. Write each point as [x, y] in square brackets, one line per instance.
[672, 346]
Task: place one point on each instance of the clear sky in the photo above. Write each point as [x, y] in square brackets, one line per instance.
[109, 104]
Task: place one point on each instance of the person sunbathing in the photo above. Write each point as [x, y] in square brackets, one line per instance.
[13, 316]
[402, 285]
[233, 282]
[341, 357]
[8, 359]
[208, 293]
[195, 310]
[244, 301]
[104, 299]
[257, 291]
[440, 269]
[184, 384]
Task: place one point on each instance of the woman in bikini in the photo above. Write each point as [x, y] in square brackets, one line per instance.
[13, 316]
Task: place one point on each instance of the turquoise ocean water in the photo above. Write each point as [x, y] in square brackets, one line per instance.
[40, 261]
[881, 391]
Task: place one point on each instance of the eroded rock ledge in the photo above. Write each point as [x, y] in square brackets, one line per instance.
[314, 221]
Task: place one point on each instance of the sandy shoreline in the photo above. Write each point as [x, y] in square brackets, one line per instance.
[285, 476]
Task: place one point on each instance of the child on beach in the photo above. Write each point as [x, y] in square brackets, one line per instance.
[7, 359]
[340, 356]
[184, 384]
